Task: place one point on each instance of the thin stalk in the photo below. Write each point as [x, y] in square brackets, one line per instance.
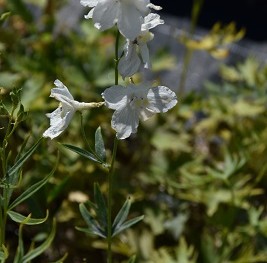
[113, 159]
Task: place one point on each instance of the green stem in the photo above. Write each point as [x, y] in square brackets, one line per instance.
[114, 154]
[110, 194]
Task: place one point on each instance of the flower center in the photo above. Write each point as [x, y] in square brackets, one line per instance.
[139, 102]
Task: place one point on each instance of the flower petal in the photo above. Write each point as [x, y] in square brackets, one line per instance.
[129, 21]
[90, 14]
[129, 64]
[145, 55]
[58, 123]
[161, 99]
[60, 91]
[125, 122]
[151, 20]
[105, 14]
[90, 3]
[115, 97]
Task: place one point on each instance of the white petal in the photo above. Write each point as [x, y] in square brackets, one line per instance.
[90, 3]
[115, 97]
[60, 90]
[130, 63]
[161, 99]
[125, 122]
[129, 21]
[141, 5]
[105, 14]
[90, 14]
[58, 123]
[150, 21]
[155, 7]
[145, 55]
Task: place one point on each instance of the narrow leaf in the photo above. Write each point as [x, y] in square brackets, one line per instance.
[32, 189]
[91, 222]
[18, 218]
[91, 232]
[23, 159]
[40, 249]
[101, 206]
[99, 145]
[62, 259]
[127, 224]
[123, 214]
[81, 152]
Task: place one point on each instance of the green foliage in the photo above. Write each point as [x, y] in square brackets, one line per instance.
[96, 218]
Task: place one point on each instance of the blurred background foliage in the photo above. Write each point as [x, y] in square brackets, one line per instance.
[198, 173]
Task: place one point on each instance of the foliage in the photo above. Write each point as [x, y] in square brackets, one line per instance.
[198, 176]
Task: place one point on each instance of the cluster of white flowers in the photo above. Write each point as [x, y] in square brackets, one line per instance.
[133, 19]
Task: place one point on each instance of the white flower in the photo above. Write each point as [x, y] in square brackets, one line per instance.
[127, 14]
[130, 63]
[133, 102]
[61, 117]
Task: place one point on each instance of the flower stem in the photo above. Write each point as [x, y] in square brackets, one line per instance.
[114, 154]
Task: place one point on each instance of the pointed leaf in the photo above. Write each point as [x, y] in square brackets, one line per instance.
[127, 224]
[123, 214]
[32, 189]
[40, 249]
[18, 218]
[91, 232]
[101, 206]
[91, 222]
[23, 159]
[62, 259]
[81, 152]
[99, 145]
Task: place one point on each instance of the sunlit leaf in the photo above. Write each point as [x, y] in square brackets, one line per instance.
[99, 145]
[18, 218]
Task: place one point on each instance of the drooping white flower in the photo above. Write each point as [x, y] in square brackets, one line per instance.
[61, 117]
[136, 52]
[133, 102]
[127, 14]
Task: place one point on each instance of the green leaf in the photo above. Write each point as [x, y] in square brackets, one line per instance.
[132, 259]
[123, 214]
[23, 159]
[32, 189]
[101, 206]
[18, 218]
[62, 259]
[93, 225]
[3, 253]
[5, 16]
[99, 145]
[127, 224]
[82, 152]
[40, 249]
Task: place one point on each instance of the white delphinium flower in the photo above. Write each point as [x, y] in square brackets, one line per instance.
[127, 14]
[61, 117]
[133, 102]
[131, 61]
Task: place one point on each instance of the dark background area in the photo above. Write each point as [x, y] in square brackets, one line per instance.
[251, 14]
